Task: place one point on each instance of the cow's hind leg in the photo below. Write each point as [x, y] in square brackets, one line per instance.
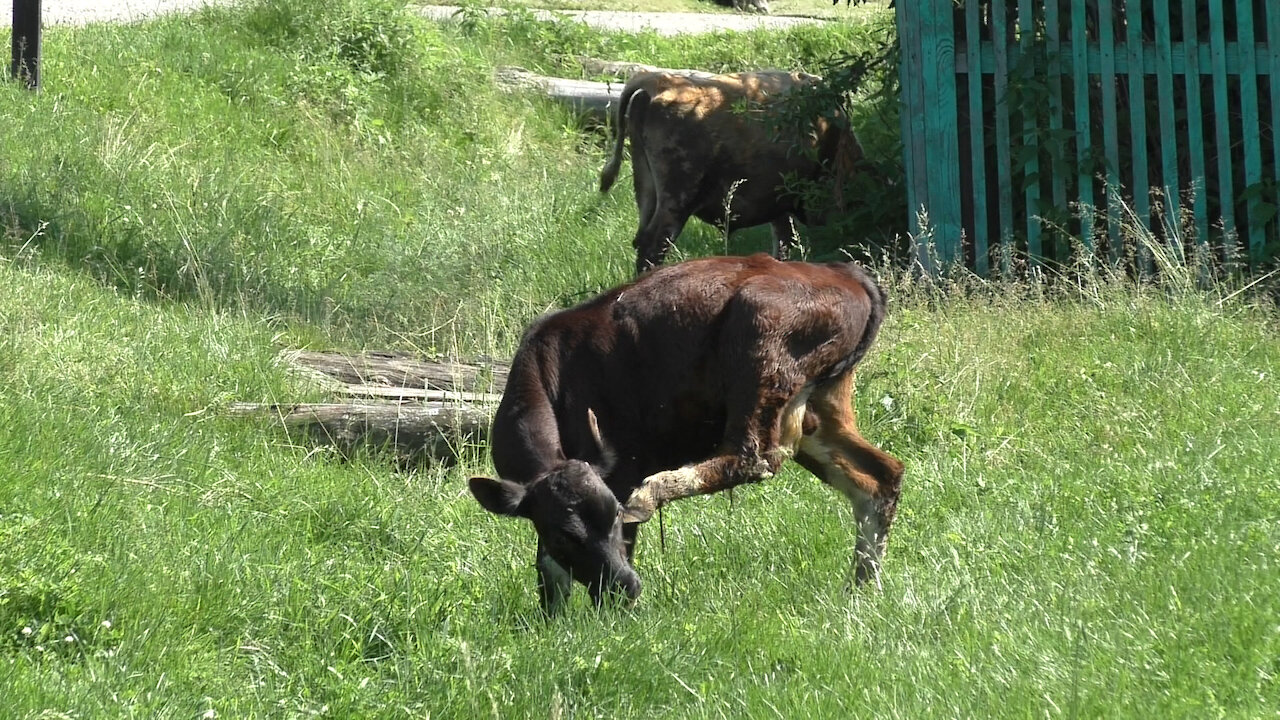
[785, 237]
[646, 189]
[656, 237]
[669, 195]
[871, 478]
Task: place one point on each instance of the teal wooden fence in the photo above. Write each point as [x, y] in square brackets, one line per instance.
[1016, 114]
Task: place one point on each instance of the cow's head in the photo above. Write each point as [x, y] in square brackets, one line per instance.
[577, 518]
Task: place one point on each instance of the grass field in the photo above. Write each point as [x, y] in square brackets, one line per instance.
[1090, 524]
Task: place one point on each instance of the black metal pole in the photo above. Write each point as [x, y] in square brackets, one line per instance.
[26, 42]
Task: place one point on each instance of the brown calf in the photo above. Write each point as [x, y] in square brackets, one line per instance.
[694, 379]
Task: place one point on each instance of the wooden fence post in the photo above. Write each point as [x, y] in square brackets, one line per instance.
[26, 42]
[929, 125]
[911, 113]
[938, 55]
[977, 147]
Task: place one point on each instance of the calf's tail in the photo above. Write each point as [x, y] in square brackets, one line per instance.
[633, 91]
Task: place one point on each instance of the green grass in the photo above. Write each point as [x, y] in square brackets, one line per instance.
[1089, 521]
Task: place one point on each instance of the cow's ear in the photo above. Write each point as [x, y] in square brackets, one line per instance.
[499, 496]
[608, 458]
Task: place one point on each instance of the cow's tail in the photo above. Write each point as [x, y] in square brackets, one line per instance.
[633, 93]
[848, 160]
[879, 301]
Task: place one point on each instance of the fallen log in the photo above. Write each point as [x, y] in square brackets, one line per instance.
[415, 432]
[420, 409]
[401, 370]
[591, 99]
[384, 392]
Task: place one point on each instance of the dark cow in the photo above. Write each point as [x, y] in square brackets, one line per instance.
[696, 378]
[696, 138]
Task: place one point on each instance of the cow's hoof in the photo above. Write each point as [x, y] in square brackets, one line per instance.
[759, 470]
[866, 573]
[641, 505]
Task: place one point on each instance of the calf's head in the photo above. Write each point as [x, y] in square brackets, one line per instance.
[578, 521]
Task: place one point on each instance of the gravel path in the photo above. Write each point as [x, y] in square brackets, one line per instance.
[80, 12]
[662, 23]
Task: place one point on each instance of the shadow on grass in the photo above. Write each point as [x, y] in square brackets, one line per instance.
[158, 263]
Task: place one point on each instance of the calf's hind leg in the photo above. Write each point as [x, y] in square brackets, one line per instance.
[871, 478]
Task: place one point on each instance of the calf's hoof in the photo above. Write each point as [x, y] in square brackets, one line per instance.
[642, 504]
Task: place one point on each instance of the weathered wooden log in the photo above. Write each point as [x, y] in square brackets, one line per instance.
[591, 99]
[414, 431]
[421, 409]
[402, 370]
[417, 394]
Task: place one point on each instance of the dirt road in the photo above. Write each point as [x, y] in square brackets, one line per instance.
[662, 23]
[80, 12]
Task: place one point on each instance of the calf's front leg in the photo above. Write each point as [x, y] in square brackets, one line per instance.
[767, 439]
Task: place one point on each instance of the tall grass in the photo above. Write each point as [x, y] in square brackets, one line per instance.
[1089, 521]
[347, 162]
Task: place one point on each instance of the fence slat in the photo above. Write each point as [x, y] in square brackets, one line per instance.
[1138, 116]
[1273, 44]
[1052, 24]
[1031, 165]
[977, 148]
[912, 81]
[1195, 128]
[937, 56]
[1169, 186]
[1110, 128]
[1000, 36]
[1084, 143]
[1221, 125]
[1251, 129]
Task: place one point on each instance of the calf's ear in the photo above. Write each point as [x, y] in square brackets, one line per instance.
[499, 496]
